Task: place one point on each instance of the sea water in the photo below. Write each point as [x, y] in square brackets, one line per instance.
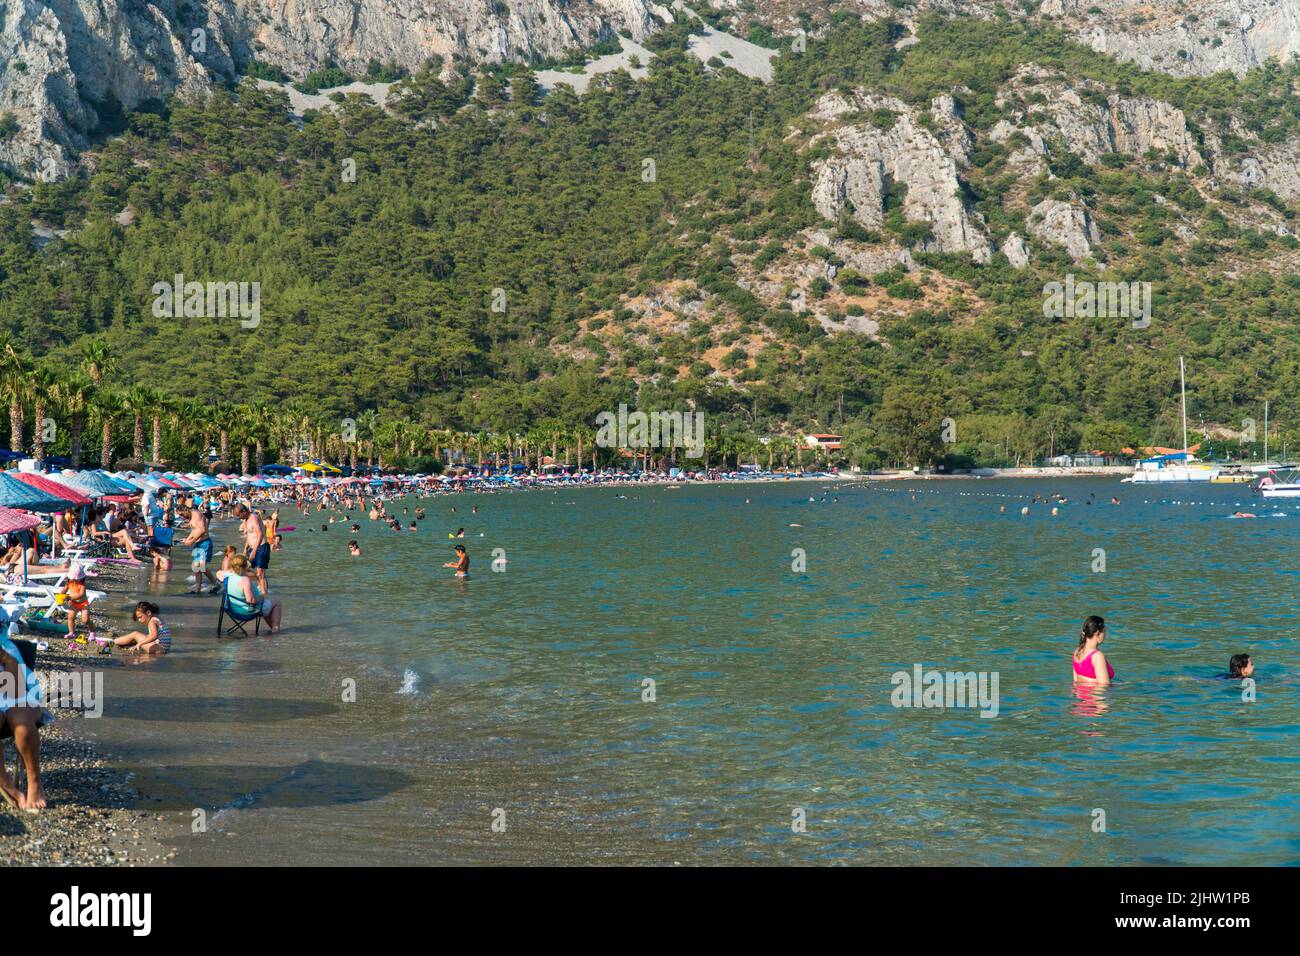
[704, 675]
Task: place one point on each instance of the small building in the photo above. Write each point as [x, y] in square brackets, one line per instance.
[1081, 459]
[825, 440]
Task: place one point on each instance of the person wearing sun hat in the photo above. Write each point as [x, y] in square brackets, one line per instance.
[75, 598]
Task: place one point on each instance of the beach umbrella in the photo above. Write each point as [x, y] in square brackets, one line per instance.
[90, 483]
[122, 486]
[53, 487]
[16, 522]
[17, 494]
[12, 521]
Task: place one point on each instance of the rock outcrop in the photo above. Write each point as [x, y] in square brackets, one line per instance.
[873, 157]
[1187, 39]
[1064, 224]
[1089, 121]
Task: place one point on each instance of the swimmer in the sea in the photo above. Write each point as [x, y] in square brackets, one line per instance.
[461, 564]
[1090, 664]
[1240, 666]
[354, 549]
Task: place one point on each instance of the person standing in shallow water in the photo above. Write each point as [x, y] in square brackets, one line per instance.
[461, 564]
[1090, 664]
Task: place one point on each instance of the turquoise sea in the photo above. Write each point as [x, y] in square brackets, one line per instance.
[517, 698]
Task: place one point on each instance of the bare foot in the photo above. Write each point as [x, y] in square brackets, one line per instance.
[35, 798]
[11, 794]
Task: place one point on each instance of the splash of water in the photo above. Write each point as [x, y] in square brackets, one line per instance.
[410, 681]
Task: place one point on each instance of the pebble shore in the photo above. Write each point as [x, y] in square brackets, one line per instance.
[93, 817]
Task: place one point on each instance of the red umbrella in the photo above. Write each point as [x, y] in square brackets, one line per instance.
[12, 521]
[49, 485]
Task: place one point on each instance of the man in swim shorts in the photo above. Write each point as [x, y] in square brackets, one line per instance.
[200, 544]
[255, 544]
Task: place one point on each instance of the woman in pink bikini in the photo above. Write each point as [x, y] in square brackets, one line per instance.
[1090, 664]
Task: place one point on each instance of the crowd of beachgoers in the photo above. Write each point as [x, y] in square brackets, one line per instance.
[65, 537]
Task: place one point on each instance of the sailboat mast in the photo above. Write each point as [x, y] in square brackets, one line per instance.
[1266, 431]
[1182, 377]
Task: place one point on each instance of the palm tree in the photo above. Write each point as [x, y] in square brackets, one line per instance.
[368, 425]
[182, 415]
[74, 393]
[45, 383]
[162, 405]
[139, 403]
[16, 385]
[239, 425]
[97, 360]
[261, 423]
[223, 417]
[108, 407]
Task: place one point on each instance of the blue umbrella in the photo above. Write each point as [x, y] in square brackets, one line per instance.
[94, 484]
[20, 495]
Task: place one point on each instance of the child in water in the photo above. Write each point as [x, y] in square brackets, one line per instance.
[354, 549]
[1240, 666]
[461, 564]
[156, 638]
[1090, 664]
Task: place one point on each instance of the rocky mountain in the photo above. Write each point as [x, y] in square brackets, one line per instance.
[68, 65]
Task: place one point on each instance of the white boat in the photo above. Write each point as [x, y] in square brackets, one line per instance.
[1270, 487]
[1180, 466]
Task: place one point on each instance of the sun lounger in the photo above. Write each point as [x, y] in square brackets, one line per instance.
[35, 595]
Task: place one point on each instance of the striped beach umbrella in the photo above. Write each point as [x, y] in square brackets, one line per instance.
[53, 487]
[93, 484]
[17, 494]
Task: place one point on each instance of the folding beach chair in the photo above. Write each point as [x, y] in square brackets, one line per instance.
[237, 618]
